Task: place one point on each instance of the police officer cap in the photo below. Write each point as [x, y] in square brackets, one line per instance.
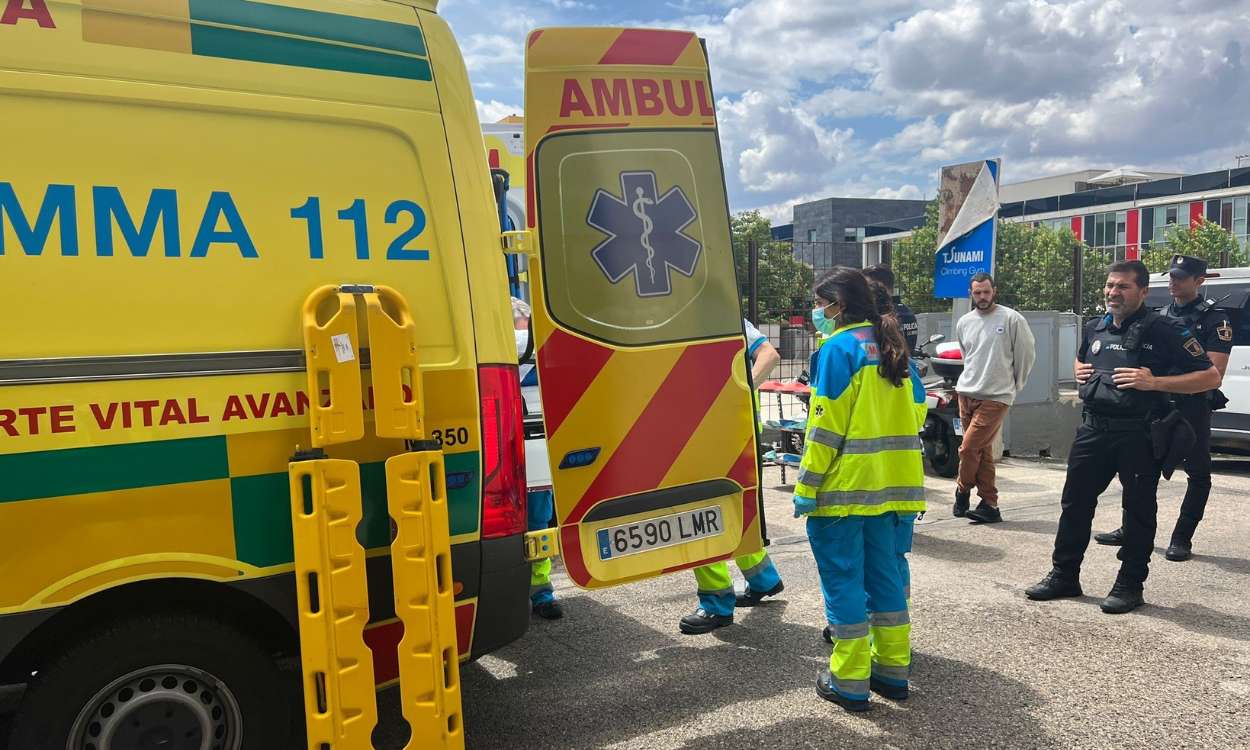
[1187, 265]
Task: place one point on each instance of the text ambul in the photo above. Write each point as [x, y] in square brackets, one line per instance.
[628, 97]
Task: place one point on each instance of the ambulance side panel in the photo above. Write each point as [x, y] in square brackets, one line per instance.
[173, 183]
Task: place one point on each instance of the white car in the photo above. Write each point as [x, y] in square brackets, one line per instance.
[1230, 426]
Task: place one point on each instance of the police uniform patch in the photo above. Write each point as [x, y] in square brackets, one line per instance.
[1095, 347]
[1193, 347]
[1224, 331]
[819, 410]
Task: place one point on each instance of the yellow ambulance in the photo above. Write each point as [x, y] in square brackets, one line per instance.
[177, 177]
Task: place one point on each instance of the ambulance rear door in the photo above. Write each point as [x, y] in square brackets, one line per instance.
[640, 350]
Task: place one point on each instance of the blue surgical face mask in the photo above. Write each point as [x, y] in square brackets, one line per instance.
[823, 324]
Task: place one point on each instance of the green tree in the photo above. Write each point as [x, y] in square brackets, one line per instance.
[912, 261]
[1206, 240]
[784, 282]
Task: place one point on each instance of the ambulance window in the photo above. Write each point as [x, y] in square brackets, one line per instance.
[634, 233]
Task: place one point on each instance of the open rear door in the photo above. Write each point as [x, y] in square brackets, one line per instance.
[640, 351]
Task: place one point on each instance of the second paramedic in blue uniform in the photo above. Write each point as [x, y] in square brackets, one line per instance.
[716, 592]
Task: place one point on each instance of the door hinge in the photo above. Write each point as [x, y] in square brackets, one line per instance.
[541, 545]
[519, 242]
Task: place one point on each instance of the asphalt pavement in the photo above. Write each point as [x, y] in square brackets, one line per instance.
[991, 669]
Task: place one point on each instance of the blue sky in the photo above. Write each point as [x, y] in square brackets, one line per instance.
[870, 98]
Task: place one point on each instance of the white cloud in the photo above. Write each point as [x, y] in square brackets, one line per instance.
[1050, 86]
[494, 111]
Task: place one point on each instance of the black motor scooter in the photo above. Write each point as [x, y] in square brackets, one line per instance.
[942, 432]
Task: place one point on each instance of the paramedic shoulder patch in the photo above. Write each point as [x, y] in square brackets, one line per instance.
[1193, 347]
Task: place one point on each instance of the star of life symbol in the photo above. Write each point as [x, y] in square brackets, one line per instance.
[644, 234]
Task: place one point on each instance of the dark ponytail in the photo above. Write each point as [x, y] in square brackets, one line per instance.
[865, 302]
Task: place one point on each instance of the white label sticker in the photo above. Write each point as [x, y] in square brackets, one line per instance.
[343, 347]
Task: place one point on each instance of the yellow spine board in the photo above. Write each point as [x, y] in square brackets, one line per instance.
[339, 702]
[394, 366]
[429, 677]
[332, 352]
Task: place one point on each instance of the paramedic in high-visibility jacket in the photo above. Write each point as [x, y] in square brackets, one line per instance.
[861, 470]
[716, 590]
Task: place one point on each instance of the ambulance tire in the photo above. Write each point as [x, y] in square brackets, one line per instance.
[223, 675]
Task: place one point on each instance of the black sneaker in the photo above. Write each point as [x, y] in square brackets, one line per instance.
[1111, 538]
[1124, 597]
[701, 621]
[886, 690]
[827, 635]
[750, 598]
[961, 503]
[1179, 551]
[1054, 586]
[549, 610]
[985, 513]
[824, 688]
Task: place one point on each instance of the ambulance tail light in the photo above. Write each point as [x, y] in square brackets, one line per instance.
[503, 457]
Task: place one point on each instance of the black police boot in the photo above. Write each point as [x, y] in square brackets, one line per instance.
[961, 502]
[1111, 538]
[824, 688]
[985, 513]
[701, 621]
[750, 598]
[1055, 585]
[827, 635]
[1181, 546]
[1124, 597]
[549, 610]
[886, 690]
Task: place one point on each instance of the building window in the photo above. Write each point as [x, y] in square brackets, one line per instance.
[1226, 214]
[1121, 235]
[811, 235]
[850, 234]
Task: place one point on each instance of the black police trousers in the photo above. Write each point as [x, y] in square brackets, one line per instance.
[1197, 467]
[1097, 456]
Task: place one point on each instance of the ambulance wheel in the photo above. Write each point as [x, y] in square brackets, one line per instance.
[942, 451]
[168, 681]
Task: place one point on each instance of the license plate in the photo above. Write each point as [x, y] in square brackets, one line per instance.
[654, 533]
[959, 426]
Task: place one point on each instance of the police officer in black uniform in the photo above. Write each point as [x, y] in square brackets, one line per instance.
[1211, 327]
[906, 318]
[1123, 371]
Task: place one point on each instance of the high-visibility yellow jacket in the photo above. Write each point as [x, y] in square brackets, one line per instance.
[862, 452]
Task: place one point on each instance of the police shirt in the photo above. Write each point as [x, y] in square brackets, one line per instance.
[1167, 347]
[1209, 325]
[907, 321]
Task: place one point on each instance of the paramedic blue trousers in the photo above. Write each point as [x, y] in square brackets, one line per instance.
[865, 604]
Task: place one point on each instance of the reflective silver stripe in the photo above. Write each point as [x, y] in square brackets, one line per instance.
[877, 445]
[894, 673]
[825, 437]
[871, 497]
[757, 567]
[850, 632]
[811, 478]
[145, 366]
[889, 619]
[540, 587]
[850, 687]
[718, 592]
